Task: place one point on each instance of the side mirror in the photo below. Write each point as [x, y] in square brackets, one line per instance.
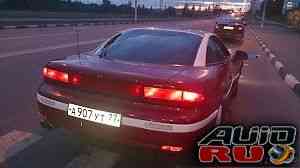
[239, 56]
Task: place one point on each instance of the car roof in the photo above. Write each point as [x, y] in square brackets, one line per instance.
[228, 19]
[188, 31]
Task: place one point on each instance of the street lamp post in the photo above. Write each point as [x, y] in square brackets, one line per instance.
[264, 14]
[135, 11]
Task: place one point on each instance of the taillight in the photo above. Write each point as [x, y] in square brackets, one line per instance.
[171, 148]
[60, 76]
[174, 95]
[163, 94]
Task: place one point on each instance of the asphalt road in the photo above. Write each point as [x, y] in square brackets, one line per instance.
[284, 43]
[263, 97]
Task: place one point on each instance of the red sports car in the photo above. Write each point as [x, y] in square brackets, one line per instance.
[157, 88]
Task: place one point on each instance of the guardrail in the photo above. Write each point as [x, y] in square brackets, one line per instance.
[53, 22]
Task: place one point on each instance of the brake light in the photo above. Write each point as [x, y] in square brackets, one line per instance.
[171, 148]
[172, 95]
[60, 76]
[191, 96]
[56, 75]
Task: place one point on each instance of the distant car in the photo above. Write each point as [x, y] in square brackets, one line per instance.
[156, 88]
[229, 27]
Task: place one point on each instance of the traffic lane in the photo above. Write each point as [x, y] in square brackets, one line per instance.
[29, 67]
[244, 110]
[29, 32]
[11, 33]
[263, 97]
[284, 44]
[40, 40]
[64, 37]
[21, 78]
[55, 149]
[257, 103]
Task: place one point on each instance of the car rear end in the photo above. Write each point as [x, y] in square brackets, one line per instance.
[164, 107]
[230, 30]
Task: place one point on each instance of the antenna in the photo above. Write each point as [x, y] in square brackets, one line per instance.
[77, 41]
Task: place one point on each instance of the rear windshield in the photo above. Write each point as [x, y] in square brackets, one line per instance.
[228, 20]
[154, 47]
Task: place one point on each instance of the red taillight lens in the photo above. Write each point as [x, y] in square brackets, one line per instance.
[60, 76]
[192, 97]
[171, 148]
[172, 95]
[56, 75]
[164, 94]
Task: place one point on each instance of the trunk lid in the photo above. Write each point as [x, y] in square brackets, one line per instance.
[117, 78]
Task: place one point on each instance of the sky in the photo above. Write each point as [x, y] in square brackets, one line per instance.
[148, 3]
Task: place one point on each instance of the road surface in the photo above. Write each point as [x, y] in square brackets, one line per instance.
[263, 96]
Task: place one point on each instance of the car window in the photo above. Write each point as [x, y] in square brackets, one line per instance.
[215, 54]
[155, 47]
[221, 46]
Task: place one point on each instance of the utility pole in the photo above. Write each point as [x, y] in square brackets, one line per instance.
[135, 11]
[264, 14]
[253, 10]
[161, 4]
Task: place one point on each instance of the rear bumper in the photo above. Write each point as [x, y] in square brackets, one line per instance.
[132, 131]
[230, 34]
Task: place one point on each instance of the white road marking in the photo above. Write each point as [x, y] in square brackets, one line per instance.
[271, 55]
[267, 50]
[42, 35]
[14, 142]
[38, 50]
[51, 25]
[94, 158]
[278, 65]
[81, 24]
[10, 27]
[32, 26]
[291, 80]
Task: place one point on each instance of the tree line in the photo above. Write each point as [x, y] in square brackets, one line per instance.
[68, 5]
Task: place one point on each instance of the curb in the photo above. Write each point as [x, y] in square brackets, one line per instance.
[68, 25]
[288, 78]
[290, 27]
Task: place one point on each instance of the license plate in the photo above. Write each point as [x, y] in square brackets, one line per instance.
[228, 28]
[98, 116]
